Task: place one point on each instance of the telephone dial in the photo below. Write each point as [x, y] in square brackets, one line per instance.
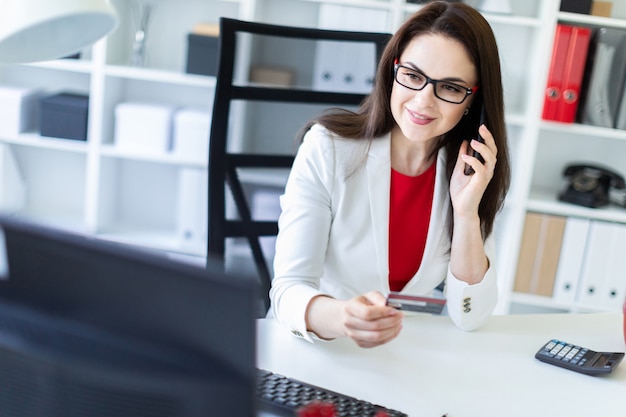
[593, 186]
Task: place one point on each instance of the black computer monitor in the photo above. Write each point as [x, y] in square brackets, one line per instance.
[91, 328]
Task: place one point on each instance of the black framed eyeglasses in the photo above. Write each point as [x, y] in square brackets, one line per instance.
[444, 90]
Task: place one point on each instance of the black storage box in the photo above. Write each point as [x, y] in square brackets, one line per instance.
[202, 54]
[64, 115]
[576, 6]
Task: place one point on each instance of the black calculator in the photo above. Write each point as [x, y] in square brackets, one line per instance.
[578, 358]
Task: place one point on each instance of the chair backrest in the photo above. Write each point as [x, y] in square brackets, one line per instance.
[232, 148]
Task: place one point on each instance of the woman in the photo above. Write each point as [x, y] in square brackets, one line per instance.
[378, 199]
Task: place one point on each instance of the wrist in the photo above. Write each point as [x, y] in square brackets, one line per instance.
[466, 220]
[319, 317]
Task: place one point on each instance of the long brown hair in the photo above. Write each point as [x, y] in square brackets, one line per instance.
[374, 118]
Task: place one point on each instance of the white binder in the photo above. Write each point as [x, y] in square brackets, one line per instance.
[613, 288]
[603, 284]
[328, 54]
[192, 225]
[12, 188]
[347, 66]
[571, 260]
[596, 263]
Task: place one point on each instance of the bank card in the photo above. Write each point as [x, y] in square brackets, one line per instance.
[417, 304]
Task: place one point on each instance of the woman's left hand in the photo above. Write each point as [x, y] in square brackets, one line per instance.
[466, 191]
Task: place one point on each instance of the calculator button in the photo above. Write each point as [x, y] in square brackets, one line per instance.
[556, 349]
[563, 352]
[550, 345]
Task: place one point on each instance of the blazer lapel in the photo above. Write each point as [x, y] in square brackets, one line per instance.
[437, 229]
[378, 168]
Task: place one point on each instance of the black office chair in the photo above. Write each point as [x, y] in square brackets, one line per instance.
[267, 46]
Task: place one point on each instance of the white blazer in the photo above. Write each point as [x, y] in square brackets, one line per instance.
[334, 231]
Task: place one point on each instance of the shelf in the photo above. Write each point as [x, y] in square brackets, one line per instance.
[65, 221]
[586, 19]
[548, 302]
[413, 7]
[584, 130]
[546, 201]
[374, 4]
[523, 21]
[264, 177]
[111, 151]
[70, 65]
[37, 141]
[159, 240]
[160, 76]
[538, 300]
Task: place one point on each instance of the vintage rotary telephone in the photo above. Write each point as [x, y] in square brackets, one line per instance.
[593, 186]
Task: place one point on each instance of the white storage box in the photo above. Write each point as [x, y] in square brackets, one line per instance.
[143, 127]
[193, 199]
[191, 133]
[19, 109]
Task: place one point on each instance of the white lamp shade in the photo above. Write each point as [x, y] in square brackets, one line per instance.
[40, 30]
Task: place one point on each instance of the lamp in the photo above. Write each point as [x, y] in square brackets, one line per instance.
[40, 30]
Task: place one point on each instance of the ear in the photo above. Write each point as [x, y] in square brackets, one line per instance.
[466, 112]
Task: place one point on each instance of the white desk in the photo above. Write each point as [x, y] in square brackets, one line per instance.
[433, 368]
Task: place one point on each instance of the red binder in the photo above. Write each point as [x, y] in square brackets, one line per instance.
[555, 74]
[573, 74]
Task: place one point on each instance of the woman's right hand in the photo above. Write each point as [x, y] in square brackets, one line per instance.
[366, 319]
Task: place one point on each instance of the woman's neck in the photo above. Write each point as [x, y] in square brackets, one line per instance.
[409, 157]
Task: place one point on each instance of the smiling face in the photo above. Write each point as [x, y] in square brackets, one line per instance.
[420, 116]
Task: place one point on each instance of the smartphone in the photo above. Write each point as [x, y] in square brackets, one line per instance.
[468, 169]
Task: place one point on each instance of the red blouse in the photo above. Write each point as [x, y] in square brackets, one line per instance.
[409, 215]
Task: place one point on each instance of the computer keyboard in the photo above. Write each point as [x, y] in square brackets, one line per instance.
[284, 396]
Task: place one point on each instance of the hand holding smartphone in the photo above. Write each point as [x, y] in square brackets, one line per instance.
[468, 169]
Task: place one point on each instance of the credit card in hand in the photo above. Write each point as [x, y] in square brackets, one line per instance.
[418, 304]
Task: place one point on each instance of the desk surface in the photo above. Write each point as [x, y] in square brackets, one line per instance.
[433, 368]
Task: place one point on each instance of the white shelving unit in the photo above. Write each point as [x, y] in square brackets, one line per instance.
[96, 188]
[93, 187]
[552, 147]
